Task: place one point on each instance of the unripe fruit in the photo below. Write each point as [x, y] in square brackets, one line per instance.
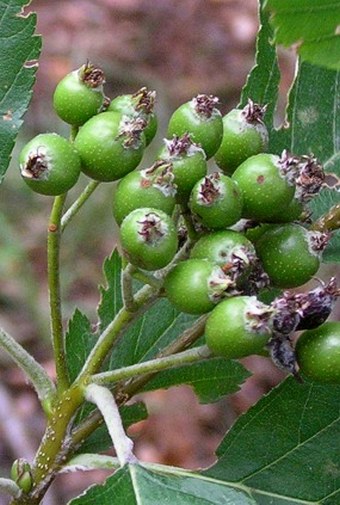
[244, 135]
[188, 161]
[266, 182]
[238, 327]
[228, 249]
[290, 254]
[195, 286]
[202, 120]
[216, 201]
[49, 164]
[318, 353]
[152, 187]
[148, 238]
[110, 145]
[139, 104]
[79, 95]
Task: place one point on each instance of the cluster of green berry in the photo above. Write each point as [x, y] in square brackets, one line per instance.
[222, 236]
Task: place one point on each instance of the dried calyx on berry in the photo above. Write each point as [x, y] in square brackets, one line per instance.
[182, 146]
[310, 178]
[253, 112]
[283, 354]
[144, 100]
[205, 105]
[132, 129]
[221, 285]
[161, 176]
[91, 76]
[289, 166]
[238, 262]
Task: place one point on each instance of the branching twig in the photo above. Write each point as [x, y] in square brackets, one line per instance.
[153, 365]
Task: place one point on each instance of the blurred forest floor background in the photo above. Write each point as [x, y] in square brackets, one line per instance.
[179, 48]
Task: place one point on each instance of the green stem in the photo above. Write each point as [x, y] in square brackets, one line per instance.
[143, 299]
[77, 205]
[145, 278]
[127, 292]
[34, 371]
[8, 486]
[153, 365]
[53, 250]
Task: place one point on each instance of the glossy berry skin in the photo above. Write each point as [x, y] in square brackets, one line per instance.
[241, 139]
[148, 238]
[49, 164]
[104, 150]
[216, 201]
[286, 255]
[230, 333]
[126, 104]
[205, 129]
[186, 286]
[265, 191]
[135, 191]
[74, 101]
[189, 166]
[318, 353]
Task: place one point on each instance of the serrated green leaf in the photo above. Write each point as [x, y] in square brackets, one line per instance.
[137, 485]
[79, 341]
[111, 297]
[319, 206]
[286, 447]
[313, 123]
[153, 330]
[211, 379]
[263, 80]
[100, 439]
[312, 24]
[18, 48]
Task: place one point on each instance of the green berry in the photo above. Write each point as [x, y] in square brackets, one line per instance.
[110, 145]
[238, 327]
[290, 254]
[49, 164]
[152, 187]
[216, 201]
[188, 161]
[231, 250]
[79, 95]
[266, 182]
[202, 120]
[139, 104]
[149, 238]
[318, 353]
[195, 286]
[244, 135]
